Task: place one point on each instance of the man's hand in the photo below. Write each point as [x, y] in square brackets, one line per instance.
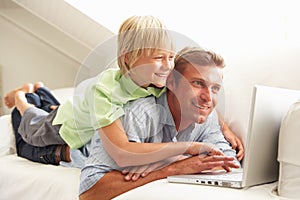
[197, 164]
[113, 184]
[201, 162]
[235, 142]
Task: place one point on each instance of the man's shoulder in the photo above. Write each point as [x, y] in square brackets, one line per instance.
[141, 105]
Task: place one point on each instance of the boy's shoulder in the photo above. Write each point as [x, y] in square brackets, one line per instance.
[112, 72]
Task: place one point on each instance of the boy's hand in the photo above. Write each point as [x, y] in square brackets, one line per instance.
[197, 148]
[136, 172]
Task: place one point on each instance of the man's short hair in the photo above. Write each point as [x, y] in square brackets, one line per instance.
[195, 56]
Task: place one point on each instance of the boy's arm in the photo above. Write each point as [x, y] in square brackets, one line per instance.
[113, 184]
[126, 153]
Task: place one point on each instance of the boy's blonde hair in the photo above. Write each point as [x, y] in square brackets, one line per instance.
[140, 35]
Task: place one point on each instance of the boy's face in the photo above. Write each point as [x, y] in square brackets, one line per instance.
[152, 69]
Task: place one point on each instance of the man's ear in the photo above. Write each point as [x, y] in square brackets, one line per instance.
[171, 81]
[125, 58]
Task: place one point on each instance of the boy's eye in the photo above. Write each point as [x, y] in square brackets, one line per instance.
[158, 57]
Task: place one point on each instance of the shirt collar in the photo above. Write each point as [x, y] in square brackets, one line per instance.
[136, 91]
[169, 119]
[162, 100]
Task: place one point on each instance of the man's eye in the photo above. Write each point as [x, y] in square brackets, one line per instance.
[158, 57]
[216, 89]
[199, 83]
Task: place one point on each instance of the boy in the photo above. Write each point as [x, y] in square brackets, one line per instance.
[145, 58]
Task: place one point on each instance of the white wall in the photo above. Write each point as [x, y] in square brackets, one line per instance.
[258, 39]
[42, 44]
[25, 58]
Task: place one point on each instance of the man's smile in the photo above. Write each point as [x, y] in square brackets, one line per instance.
[202, 107]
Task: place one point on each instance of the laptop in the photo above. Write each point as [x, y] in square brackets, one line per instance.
[269, 105]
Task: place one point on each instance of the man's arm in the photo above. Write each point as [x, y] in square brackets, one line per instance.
[232, 138]
[113, 183]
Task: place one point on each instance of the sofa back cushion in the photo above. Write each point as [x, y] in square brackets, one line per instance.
[288, 153]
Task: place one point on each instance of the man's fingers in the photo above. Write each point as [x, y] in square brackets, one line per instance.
[233, 143]
[212, 164]
[228, 169]
[240, 149]
[225, 162]
[228, 165]
[240, 155]
[215, 151]
[218, 158]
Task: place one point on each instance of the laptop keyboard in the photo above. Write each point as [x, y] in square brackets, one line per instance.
[229, 176]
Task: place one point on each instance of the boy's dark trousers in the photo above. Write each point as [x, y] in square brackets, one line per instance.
[43, 99]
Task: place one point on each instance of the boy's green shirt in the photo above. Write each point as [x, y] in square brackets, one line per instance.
[96, 103]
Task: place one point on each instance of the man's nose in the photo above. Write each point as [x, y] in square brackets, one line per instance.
[206, 94]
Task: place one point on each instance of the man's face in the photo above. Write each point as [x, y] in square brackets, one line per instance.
[197, 92]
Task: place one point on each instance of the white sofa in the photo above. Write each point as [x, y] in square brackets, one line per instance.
[23, 179]
[26, 180]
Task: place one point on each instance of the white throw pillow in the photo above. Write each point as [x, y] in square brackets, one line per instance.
[7, 137]
[63, 94]
[288, 154]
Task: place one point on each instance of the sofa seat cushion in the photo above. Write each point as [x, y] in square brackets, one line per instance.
[162, 189]
[23, 179]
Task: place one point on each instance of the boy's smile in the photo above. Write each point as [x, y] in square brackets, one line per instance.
[152, 69]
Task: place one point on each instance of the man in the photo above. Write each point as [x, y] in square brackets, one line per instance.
[185, 113]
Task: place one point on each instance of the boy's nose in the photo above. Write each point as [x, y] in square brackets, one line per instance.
[168, 64]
